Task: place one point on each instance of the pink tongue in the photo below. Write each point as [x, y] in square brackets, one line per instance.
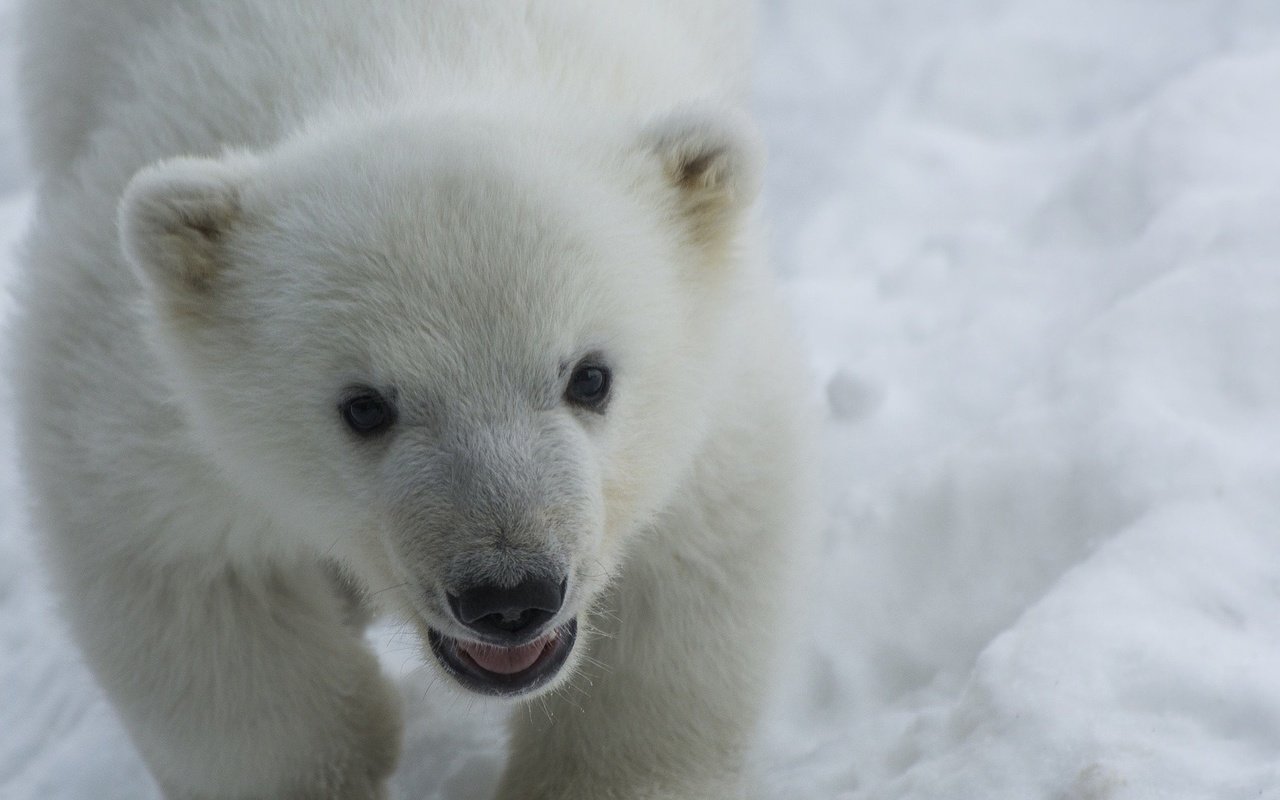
[505, 660]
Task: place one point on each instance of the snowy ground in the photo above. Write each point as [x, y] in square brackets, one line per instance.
[1034, 246]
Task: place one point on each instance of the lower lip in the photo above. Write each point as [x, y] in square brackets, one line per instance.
[512, 671]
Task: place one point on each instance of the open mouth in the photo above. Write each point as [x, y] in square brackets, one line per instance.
[501, 670]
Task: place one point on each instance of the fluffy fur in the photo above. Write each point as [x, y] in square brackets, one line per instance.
[249, 207]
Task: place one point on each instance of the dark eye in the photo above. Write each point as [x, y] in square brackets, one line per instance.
[366, 412]
[589, 386]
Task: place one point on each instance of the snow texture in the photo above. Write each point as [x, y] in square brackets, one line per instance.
[1033, 247]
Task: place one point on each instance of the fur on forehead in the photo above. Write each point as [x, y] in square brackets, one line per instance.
[448, 259]
[466, 226]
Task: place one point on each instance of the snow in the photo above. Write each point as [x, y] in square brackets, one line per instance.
[1032, 246]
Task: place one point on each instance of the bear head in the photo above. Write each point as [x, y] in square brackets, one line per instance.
[466, 357]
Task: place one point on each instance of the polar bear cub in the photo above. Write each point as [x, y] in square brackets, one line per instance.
[448, 311]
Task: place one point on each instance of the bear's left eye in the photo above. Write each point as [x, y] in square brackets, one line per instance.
[366, 412]
[589, 385]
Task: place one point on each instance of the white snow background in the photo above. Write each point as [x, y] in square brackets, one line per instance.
[1033, 247]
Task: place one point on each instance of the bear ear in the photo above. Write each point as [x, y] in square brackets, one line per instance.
[712, 162]
[174, 218]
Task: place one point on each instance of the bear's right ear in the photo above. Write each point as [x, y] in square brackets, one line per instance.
[174, 219]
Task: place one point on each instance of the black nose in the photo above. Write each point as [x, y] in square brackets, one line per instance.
[508, 613]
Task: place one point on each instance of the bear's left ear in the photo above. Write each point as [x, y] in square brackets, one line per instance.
[712, 162]
[174, 219]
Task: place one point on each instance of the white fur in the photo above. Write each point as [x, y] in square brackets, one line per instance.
[246, 207]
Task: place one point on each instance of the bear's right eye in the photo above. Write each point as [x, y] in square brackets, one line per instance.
[366, 412]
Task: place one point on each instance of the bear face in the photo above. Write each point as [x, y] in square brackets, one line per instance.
[485, 346]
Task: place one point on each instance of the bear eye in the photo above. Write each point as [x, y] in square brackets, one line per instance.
[589, 386]
[366, 411]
